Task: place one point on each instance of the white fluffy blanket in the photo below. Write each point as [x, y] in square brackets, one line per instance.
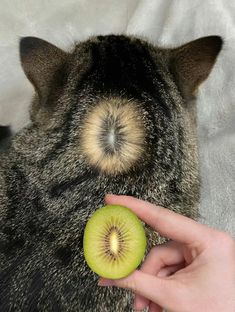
[164, 22]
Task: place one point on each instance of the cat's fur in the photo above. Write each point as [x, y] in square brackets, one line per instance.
[5, 134]
[49, 182]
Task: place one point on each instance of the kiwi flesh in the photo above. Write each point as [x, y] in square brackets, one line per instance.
[114, 242]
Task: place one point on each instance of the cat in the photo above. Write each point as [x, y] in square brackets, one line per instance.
[114, 115]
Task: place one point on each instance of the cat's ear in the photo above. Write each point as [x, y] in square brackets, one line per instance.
[192, 63]
[40, 61]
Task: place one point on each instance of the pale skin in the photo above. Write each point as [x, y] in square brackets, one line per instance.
[194, 271]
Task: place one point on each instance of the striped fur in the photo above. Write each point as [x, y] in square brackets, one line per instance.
[108, 117]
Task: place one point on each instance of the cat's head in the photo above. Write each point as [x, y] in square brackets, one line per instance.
[119, 103]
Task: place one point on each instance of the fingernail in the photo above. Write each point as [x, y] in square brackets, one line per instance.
[105, 282]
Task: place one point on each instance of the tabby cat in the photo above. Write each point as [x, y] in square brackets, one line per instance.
[114, 115]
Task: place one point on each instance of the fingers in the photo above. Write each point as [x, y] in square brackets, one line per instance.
[161, 291]
[161, 256]
[169, 254]
[171, 269]
[143, 302]
[166, 222]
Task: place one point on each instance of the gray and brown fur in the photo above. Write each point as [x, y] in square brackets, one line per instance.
[50, 182]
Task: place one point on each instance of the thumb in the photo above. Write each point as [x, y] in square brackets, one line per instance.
[158, 290]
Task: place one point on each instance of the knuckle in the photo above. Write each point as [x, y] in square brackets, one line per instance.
[163, 212]
[131, 284]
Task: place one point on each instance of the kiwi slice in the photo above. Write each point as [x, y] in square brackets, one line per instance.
[114, 241]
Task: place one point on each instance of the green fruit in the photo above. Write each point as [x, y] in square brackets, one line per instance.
[114, 242]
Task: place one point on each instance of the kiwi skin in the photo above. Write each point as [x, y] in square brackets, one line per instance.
[114, 242]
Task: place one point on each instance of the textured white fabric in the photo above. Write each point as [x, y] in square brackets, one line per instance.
[164, 22]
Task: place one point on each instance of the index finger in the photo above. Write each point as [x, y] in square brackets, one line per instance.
[164, 221]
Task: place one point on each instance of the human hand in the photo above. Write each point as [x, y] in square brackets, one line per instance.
[193, 272]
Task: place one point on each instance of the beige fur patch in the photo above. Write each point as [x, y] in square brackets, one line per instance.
[113, 135]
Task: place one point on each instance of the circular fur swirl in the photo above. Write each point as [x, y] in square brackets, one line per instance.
[113, 135]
